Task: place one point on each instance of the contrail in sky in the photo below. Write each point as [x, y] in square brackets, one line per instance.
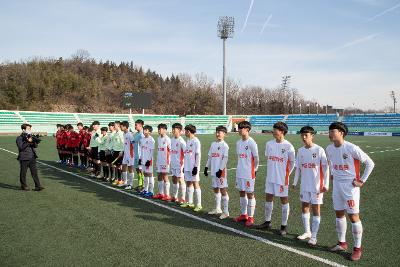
[248, 14]
[383, 12]
[266, 23]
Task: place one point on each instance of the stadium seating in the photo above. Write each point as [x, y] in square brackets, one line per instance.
[264, 122]
[207, 123]
[10, 122]
[104, 119]
[373, 122]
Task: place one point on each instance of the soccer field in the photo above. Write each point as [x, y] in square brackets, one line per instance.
[79, 221]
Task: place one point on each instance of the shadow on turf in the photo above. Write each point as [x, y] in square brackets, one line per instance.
[9, 186]
[146, 210]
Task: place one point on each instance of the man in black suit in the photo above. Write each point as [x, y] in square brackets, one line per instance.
[27, 157]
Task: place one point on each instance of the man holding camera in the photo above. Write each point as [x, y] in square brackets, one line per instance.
[27, 144]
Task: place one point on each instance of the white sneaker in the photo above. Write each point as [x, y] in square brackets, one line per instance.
[215, 212]
[92, 175]
[224, 216]
[129, 187]
[304, 236]
[312, 241]
[122, 185]
[99, 176]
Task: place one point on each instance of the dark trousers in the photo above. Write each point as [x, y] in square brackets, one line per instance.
[24, 165]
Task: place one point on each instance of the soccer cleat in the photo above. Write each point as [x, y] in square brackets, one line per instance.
[215, 212]
[115, 182]
[264, 226]
[224, 216]
[197, 208]
[92, 175]
[312, 242]
[149, 195]
[121, 184]
[142, 193]
[187, 205]
[180, 200]
[340, 246]
[166, 198]
[107, 179]
[241, 218]
[158, 196]
[356, 255]
[283, 230]
[304, 236]
[129, 187]
[249, 222]
[174, 199]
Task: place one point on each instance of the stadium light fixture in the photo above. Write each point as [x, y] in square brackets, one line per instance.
[226, 29]
[393, 96]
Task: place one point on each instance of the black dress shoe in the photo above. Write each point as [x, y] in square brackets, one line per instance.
[38, 188]
[264, 226]
[25, 188]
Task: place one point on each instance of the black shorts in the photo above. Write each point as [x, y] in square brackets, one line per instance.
[82, 149]
[115, 155]
[102, 155]
[94, 153]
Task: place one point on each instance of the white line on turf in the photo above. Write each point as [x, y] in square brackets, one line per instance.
[224, 227]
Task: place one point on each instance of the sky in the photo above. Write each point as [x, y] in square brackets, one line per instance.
[340, 52]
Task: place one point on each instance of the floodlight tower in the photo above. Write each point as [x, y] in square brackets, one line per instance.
[393, 96]
[226, 28]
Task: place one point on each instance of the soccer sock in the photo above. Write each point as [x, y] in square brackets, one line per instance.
[60, 156]
[167, 186]
[140, 179]
[124, 176]
[306, 222]
[105, 171]
[119, 174]
[161, 187]
[189, 196]
[151, 184]
[146, 184]
[175, 190]
[112, 172]
[315, 226]
[285, 213]
[183, 190]
[341, 225]
[101, 170]
[197, 192]
[218, 200]
[76, 159]
[251, 207]
[357, 230]
[243, 205]
[130, 178]
[225, 204]
[269, 206]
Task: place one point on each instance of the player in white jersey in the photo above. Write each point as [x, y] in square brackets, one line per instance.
[312, 168]
[345, 161]
[128, 158]
[191, 169]
[246, 171]
[280, 155]
[178, 147]
[163, 162]
[217, 161]
[146, 146]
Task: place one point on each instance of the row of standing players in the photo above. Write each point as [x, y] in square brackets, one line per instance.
[114, 153]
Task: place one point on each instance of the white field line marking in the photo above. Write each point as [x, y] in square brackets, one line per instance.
[224, 227]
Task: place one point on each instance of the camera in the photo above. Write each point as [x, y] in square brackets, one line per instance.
[35, 137]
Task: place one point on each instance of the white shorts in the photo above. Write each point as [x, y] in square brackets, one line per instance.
[276, 189]
[127, 160]
[190, 178]
[311, 197]
[177, 172]
[163, 168]
[146, 169]
[246, 185]
[346, 197]
[219, 182]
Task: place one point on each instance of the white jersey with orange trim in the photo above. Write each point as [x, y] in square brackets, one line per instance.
[247, 152]
[129, 145]
[345, 162]
[146, 149]
[280, 161]
[164, 151]
[178, 147]
[192, 154]
[218, 158]
[312, 168]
